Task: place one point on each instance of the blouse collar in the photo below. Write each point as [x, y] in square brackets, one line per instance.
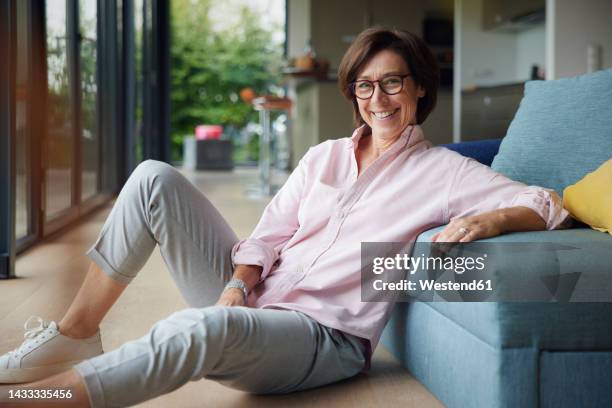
[412, 135]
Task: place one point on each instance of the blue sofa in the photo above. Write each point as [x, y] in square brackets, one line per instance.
[505, 354]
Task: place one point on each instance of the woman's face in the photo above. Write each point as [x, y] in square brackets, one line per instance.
[389, 115]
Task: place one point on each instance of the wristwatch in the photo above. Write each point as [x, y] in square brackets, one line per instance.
[238, 284]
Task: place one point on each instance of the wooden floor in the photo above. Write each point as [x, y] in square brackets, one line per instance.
[50, 274]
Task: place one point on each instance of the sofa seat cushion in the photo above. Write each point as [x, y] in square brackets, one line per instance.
[561, 131]
[552, 326]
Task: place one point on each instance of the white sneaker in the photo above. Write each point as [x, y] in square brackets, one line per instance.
[45, 352]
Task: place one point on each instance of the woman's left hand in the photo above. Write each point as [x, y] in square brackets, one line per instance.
[467, 229]
[231, 297]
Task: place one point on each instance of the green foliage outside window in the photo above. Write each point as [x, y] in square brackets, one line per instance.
[212, 62]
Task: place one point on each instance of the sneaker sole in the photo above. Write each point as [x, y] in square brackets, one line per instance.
[24, 375]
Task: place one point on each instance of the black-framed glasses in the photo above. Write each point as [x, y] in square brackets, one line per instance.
[391, 85]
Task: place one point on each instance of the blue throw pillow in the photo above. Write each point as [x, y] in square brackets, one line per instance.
[561, 131]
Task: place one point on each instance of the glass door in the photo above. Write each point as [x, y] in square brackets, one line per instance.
[139, 30]
[85, 101]
[23, 171]
[59, 152]
[90, 143]
[72, 149]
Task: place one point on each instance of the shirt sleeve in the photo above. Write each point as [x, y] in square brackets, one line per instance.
[477, 188]
[277, 225]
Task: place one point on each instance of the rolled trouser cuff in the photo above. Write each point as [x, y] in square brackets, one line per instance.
[103, 264]
[90, 377]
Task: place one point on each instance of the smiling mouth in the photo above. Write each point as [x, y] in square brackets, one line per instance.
[385, 114]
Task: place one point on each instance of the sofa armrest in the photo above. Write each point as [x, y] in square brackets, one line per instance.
[483, 150]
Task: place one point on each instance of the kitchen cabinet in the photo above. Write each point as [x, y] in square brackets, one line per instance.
[513, 15]
[438, 127]
[486, 112]
[320, 112]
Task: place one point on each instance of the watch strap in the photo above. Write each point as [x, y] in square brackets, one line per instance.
[238, 284]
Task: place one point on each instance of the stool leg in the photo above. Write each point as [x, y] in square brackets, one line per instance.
[264, 151]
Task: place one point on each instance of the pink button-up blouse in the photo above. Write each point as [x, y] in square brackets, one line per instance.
[308, 240]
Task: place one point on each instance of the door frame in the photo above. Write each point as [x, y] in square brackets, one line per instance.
[7, 138]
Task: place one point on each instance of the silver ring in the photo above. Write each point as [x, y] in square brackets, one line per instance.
[464, 231]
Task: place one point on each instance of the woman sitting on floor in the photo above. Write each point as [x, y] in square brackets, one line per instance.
[287, 311]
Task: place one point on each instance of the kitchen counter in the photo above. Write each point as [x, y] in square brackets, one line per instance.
[474, 88]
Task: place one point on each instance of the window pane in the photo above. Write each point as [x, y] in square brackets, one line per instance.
[60, 146]
[22, 158]
[139, 78]
[89, 95]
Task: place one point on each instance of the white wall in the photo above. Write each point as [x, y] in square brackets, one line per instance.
[299, 26]
[573, 26]
[497, 57]
[530, 50]
[487, 57]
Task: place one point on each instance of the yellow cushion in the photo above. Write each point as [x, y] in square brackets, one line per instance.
[590, 199]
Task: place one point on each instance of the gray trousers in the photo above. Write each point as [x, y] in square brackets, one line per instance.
[255, 350]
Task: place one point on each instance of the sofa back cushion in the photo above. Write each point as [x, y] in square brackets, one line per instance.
[561, 131]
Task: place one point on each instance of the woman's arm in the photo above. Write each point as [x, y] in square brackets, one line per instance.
[277, 225]
[483, 203]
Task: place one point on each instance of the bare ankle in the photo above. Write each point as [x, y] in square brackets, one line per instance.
[76, 332]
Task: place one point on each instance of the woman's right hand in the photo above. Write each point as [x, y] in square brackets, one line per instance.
[231, 297]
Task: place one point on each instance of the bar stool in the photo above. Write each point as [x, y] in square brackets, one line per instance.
[264, 105]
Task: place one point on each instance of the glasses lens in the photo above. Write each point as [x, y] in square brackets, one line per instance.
[392, 84]
[363, 89]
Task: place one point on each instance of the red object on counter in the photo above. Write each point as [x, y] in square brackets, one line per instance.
[206, 132]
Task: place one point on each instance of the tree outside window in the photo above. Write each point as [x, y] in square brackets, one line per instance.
[218, 51]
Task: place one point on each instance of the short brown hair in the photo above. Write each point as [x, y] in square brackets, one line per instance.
[421, 62]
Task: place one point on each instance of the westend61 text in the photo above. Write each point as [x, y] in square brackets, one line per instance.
[428, 284]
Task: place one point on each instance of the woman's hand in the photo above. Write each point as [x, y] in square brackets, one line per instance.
[231, 297]
[467, 229]
[490, 224]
